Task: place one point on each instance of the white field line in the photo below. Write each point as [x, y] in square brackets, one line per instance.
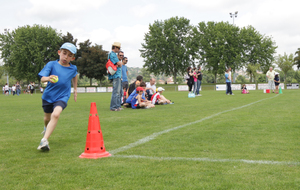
[210, 160]
[154, 135]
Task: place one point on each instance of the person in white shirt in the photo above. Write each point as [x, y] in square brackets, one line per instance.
[151, 88]
[271, 74]
[6, 89]
[13, 88]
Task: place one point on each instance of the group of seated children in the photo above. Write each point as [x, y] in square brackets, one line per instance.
[137, 98]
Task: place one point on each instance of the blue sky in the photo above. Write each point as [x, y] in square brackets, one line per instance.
[104, 21]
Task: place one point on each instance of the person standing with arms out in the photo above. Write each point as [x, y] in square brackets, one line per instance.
[57, 94]
[228, 83]
[271, 74]
[18, 87]
[199, 78]
[115, 103]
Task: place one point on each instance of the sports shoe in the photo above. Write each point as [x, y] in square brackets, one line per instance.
[171, 102]
[232, 94]
[44, 145]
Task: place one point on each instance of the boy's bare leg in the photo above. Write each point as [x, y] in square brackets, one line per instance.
[165, 99]
[53, 121]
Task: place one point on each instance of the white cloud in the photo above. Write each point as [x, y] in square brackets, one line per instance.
[54, 9]
[142, 11]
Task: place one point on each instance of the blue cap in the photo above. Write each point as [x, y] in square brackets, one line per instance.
[68, 46]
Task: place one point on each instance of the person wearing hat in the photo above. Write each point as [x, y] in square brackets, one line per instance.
[115, 103]
[277, 82]
[138, 101]
[158, 98]
[271, 74]
[58, 75]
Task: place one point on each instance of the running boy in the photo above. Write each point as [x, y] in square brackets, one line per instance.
[57, 94]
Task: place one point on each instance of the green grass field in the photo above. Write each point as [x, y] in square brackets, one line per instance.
[210, 142]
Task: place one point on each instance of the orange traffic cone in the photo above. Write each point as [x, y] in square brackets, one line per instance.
[94, 147]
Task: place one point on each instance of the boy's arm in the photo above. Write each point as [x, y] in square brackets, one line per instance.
[74, 81]
[46, 79]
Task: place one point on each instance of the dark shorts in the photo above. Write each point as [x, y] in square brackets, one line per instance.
[49, 107]
[31, 91]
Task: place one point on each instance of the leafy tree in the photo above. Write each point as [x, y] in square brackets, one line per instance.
[297, 76]
[257, 49]
[218, 46]
[285, 63]
[297, 58]
[252, 69]
[241, 79]
[145, 74]
[167, 47]
[92, 61]
[26, 50]
[261, 78]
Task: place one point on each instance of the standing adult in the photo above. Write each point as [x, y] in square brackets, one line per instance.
[228, 83]
[190, 81]
[124, 73]
[120, 57]
[13, 88]
[18, 88]
[151, 88]
[115, 104]
[199, 79]
[31, 88]
[271, 74]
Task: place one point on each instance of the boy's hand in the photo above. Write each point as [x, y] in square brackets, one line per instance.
[52, 77]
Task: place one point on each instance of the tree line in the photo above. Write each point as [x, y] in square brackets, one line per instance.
[169, 47]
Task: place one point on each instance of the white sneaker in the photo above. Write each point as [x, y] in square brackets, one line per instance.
[232, 94]
[44, 145]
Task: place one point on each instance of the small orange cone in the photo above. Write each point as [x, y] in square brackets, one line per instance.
[94, 147]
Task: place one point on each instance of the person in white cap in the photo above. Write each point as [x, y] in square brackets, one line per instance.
[58, 75]
[158, 98]
[271, 74]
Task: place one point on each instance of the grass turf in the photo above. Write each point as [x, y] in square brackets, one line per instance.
[267, 130]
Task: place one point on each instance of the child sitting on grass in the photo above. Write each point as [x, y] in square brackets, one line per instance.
[158, 98]
[138, 102]
[244, 89]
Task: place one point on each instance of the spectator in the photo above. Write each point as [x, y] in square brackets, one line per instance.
[18, 88]
[190, 81]
[158, 98]
[199, 78]
[6, 89]
[244, 89]
[138, 101]
[132, 86]
[13, 88]
[151, 88]
[115, 104]
[228, 83]
[124, 73]
[271, 74]
[277, 82]
[195, 77]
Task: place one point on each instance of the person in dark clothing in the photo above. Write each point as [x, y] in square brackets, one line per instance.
[277, 82]
[190, 81]
[132, 86]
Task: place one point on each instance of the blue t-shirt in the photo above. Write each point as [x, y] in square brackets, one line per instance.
[114, 58]
[124, 73]
[128, 100]
[60, 91]
[226, 76]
